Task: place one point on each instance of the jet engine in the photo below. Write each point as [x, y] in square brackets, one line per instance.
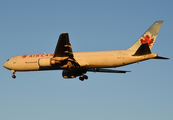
[44, 62]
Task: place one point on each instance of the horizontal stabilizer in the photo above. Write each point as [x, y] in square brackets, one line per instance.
[106, 70]
[143, 50]
[159, 57]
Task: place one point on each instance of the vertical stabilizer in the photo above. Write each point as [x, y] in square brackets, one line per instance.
[148, 37]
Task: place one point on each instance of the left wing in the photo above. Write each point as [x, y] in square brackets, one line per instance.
[63, 47]
[64, 50]
[106, 70]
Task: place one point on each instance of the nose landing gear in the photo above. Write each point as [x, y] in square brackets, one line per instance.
[13, 76]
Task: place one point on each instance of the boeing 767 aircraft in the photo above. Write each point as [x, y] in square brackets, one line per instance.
[79, 63]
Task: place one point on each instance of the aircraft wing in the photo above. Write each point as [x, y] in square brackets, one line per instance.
[63, 47]
[106, 70]
[64, 50]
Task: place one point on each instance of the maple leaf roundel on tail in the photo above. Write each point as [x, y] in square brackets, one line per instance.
[147, 40]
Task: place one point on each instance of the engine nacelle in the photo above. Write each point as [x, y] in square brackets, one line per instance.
[44, 62]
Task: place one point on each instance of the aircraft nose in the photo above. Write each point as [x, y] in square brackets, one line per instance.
[5, 64]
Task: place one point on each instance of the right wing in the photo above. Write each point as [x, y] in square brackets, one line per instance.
[106, 70]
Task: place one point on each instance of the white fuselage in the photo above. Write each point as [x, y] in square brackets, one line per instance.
[98, 59]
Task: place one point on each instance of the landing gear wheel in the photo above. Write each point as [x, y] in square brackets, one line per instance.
[13, 76]
[85, 77]
[81, 78]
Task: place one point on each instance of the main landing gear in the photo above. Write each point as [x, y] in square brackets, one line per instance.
[13, 76]
[83, 77]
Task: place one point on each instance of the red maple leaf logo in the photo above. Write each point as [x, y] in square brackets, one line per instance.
[24, 56]
[147, 40]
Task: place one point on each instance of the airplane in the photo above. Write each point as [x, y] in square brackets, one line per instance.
[77, 64]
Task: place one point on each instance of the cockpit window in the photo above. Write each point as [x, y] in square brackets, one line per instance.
[8, 60]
